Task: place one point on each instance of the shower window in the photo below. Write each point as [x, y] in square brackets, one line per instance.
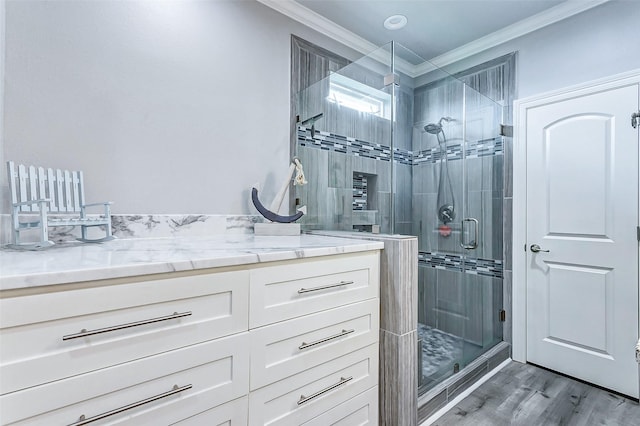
[357, 96]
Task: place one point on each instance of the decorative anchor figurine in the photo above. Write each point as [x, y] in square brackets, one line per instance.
[277, 201]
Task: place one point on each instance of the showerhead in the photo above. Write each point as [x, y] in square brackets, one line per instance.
[434, 128]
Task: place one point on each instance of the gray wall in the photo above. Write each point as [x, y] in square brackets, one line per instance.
[168, 107]
[600, 42]
[3, 177]
[182, 107]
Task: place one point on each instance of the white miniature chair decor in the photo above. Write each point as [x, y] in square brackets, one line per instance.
[41, 198]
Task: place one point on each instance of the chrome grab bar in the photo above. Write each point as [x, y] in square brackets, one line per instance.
[326, 339]
[473, 244]
[324, 287]
[83, 420]
[85, 333]
[342, 381]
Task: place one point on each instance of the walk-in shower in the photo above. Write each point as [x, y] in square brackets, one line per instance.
[402, 147]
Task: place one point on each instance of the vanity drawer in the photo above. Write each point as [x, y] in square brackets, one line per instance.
[232, 413]
[360, 410]
[298, 288]
[42, 339]
[302, 397]
[289, 347]
[209, 374]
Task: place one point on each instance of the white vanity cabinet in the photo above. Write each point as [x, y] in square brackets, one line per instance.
[314, 329]
[174, 345]
[50, 336]
[290, 342]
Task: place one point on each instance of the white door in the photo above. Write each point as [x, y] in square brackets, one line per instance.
[582, 211]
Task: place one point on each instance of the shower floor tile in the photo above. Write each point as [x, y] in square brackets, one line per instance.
[440, 351]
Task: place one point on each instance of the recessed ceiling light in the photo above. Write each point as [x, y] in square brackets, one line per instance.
[395, 22]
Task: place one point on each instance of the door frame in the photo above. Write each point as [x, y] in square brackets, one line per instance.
[521, 106]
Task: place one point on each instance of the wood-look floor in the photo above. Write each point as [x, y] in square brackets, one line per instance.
[523, 394]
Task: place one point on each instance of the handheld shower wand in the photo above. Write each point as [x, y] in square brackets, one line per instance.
[446, 200]
[436, 128]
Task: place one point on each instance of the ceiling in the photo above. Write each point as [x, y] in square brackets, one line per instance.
[434, 27]
[441, 31]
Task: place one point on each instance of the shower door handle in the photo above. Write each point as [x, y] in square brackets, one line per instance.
[473, 244]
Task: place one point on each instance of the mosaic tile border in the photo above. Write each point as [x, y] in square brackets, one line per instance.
[351, 146]
[468, 265]
[357, 147]
[476, 149]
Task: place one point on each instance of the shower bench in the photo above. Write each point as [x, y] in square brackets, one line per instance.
[41, 198]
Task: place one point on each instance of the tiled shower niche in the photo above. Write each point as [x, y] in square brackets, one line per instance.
[365, 216]
[360, 188]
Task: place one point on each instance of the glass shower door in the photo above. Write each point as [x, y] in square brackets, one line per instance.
[457, 215]
[482, 225]
[438, 211]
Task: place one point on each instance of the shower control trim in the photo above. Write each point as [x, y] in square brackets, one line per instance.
[446, 213]
[474, 243]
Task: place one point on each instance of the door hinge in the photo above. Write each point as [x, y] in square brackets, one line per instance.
[391, 79]
[506, 130]
[502, 314]
[635, 119]
[638, 233]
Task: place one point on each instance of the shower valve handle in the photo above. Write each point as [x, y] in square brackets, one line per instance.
[536, 248]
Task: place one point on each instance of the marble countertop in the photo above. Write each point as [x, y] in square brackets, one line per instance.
[76, 262]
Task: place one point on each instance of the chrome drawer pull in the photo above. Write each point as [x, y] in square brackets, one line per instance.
[85, 333]
[342, 381]
[326, 339]
[83, 420]
[324, 287]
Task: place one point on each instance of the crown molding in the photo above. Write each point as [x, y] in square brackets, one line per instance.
[315, 21]
[540, 20]
[305, 16]
[319, 23]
